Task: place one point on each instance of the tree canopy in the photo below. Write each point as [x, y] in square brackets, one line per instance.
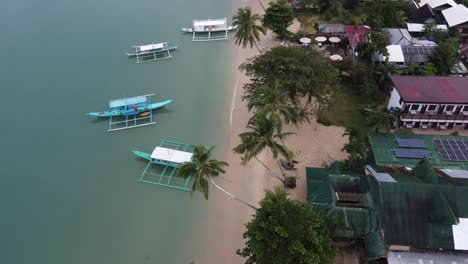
[445, 56]
[299, 72]
[278, 17]
[287, 231]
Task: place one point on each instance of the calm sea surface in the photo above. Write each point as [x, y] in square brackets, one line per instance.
[69, 192]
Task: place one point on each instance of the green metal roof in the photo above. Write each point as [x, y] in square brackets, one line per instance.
[418, 212]
[383, 144]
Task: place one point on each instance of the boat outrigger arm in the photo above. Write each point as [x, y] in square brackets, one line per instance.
[130, 112]
[166, 157]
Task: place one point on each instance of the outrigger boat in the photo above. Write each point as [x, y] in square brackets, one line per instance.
[209, 26]
[134, 112]
[158, 50]
[167, 157]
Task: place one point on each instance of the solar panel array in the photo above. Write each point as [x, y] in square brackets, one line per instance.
[411, 153]
[411, 143]
[417, 50]
[452, 149]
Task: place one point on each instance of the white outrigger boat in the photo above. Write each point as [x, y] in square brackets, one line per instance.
[158, 51]
[209, 26]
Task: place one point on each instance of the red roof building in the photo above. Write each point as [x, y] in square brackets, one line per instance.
[431, 101]
[356, 34]
[432, 89]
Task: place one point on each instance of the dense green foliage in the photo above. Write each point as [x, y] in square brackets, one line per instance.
[445, 56]
[248, 27]
[285, 231]
[383, 13]
[299, 72]
[201, 168]
[278, 17]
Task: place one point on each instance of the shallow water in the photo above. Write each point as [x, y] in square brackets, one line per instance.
[69, 192]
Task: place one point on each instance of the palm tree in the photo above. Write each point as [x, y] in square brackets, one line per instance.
[263, 135]
[204, 169]
[275, 104]
[248, 27]
[356, 147]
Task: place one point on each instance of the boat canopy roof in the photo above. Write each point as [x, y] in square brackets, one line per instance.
[210, 22]
[171, 155]
[151, 46]
[128, 101]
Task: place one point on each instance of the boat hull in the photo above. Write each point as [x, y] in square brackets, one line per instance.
[190, 30]
[130, 112]
[147, 156]
[151, 52]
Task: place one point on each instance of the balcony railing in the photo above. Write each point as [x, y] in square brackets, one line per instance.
[437, 118]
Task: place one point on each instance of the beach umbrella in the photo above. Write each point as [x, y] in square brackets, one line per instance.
[336, 57]
[305, 40]
[334, 39]
[320, 39]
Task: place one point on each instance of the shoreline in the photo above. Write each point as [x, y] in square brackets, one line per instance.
[226, 217]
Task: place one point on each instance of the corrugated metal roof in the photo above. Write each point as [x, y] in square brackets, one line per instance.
[356, 34]
[408, 213]
[456, 15]
[432, 89]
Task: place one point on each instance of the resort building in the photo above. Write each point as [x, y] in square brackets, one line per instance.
[406, 216]
[430, 101]
[404, 49]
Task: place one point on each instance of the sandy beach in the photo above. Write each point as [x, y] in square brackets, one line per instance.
[313, 145]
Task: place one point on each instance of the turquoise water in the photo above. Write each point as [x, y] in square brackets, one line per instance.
[69, 192]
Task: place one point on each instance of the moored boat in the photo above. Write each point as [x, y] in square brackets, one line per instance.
[130, 112]
[209, 29]
[152, 52]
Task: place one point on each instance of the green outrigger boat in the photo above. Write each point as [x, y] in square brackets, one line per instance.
[167, 157]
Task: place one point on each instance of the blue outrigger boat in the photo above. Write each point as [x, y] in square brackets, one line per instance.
[158, 51]
[133, 112]
[167, 157]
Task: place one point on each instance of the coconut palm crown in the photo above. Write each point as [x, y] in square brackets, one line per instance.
[202, 168]
[272, 101]
[248, 27]
[263, 134]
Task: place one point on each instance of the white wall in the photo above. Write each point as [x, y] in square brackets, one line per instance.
[394, 99]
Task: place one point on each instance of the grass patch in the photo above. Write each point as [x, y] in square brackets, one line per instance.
[308, 23]
[346, 111]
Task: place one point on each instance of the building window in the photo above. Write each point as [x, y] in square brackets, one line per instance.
[414, 107]
[401, 101]
[431, 107]
[449, 108]
[458, 124]
[465, 108]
